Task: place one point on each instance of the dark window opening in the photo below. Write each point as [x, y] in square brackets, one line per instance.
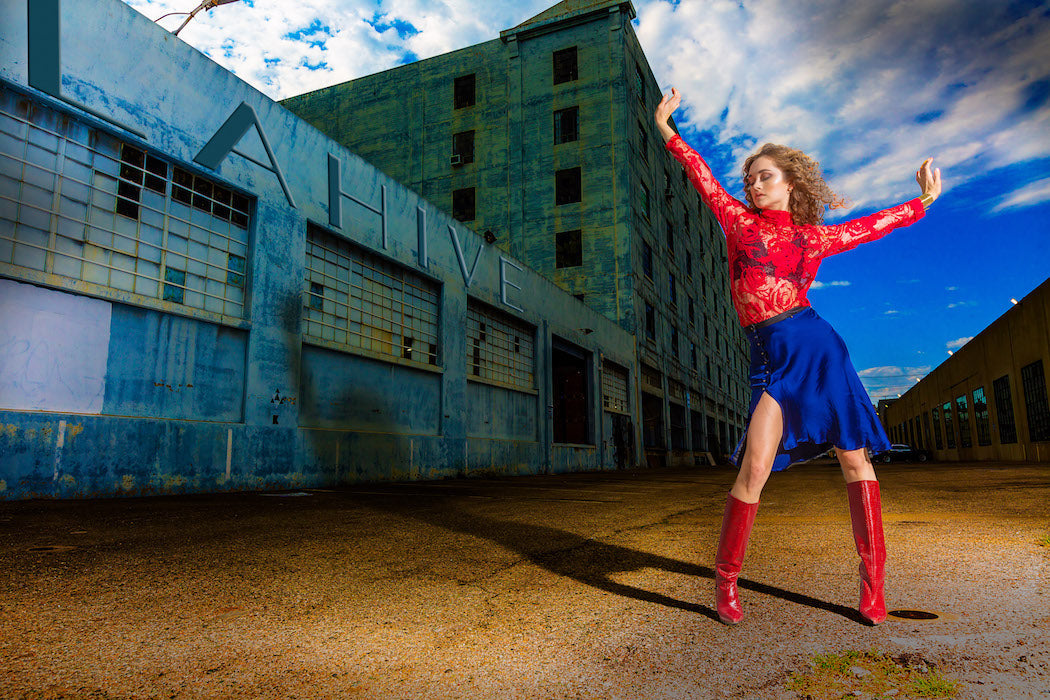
[200, 193]
[640, 84]
[670, 240]
[673, 290]
[1033, 384]
[463, 91]
[463, 148]
[463, 204]
[980, 417]
[646, 202]
[949, 431]
[566, 66]
[572, 396]
[567, 186]
[567, 125]
[677, 426]
[962, 412]
[407, 347]
[129, 187]
[1004, 410]
[650, 321]
[643, 142]
[674, 341]
[568, 249]
[647, 260]
[652, 420]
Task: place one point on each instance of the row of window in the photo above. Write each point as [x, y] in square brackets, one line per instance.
[949, 426]
[564, 68]
[82, 207]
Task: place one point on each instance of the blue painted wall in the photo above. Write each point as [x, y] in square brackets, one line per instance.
[187, 401]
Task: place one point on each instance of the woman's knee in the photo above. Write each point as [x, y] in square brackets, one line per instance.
[855, 465]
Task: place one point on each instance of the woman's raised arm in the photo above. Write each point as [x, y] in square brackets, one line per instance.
[726, 208]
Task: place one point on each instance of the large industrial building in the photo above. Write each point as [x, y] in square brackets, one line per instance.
[543, 140]
[988, 401]
[200, 292]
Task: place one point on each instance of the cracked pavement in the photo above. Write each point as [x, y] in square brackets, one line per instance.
[594, 585]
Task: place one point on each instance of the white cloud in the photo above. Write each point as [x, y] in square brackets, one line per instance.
[868, 89]
[958, 343]
[890, 312]
[833, 283]
[1032, 193]
[888, 381]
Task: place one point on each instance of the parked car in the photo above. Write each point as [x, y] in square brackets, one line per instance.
[902, 453]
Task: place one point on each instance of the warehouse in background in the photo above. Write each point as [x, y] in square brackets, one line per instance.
[543, 139]
[988, 401]
[201, 292]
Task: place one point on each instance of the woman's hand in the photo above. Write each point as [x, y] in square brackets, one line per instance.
[929, 180]
[663, 113]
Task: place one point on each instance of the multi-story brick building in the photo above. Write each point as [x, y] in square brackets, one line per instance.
[543, 141]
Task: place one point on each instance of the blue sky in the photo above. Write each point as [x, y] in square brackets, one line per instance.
[869, 89]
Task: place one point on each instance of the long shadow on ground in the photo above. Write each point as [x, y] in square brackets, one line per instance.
[589, 561]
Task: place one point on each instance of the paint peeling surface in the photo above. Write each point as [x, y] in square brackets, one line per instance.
[54, 349]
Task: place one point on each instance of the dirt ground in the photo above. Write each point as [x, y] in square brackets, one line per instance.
[569, 586]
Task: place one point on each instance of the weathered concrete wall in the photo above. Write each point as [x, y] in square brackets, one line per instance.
[620, 156]
[1018, 338]
[165, 398]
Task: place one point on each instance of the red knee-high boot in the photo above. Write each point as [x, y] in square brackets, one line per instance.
[865, 507]
[736, 530]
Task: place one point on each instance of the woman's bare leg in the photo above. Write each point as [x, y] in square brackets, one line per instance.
[763, 440]
[855, 465]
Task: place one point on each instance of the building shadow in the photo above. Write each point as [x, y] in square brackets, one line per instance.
[590, 561]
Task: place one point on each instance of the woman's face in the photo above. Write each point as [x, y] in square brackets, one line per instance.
[768, 185]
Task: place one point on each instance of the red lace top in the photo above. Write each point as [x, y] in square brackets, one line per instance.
[773, 262]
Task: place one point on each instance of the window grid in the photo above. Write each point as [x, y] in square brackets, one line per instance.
[614, 389]
[938, 440]
[1004, 410]
[500, 348]
[962, 412]
[949, 431]
[676, 390]
[358, 300]
[652, 378]
[1033, 384]
[980, 416]
[86, 207]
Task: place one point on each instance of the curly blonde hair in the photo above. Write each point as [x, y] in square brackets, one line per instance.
[810, 194]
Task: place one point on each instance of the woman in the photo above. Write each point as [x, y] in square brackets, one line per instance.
[805, 394]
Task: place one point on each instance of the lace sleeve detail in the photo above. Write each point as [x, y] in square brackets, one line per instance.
[831, 240]
[726, 208]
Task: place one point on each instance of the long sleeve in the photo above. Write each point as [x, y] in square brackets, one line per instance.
[831, 240]
[726, 208]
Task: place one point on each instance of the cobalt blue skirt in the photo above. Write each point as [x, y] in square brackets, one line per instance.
[802, 363]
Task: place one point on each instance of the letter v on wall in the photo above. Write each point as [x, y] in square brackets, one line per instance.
[230, 134]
